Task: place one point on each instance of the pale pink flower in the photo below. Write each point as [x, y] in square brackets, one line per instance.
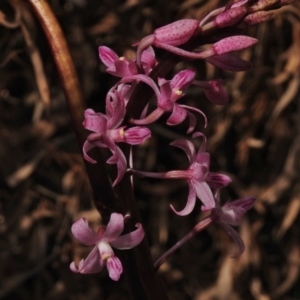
[231, 214]
[121, 66]
[103, 240]
[198, 176]
[107, 131]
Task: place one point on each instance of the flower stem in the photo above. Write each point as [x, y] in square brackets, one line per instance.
[199, 227]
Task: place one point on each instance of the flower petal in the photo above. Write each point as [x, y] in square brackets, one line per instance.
[236, 238]
[83, 233]
[217, 180]
[87, 146]
[107, 55]
[187, 146]
[182, 79]
[129, 240]
[95, 122]
[205, 195]
[114, 267]
[190, 202]
[115, 109]
[114, 227]
[92, 264]
[177, 116]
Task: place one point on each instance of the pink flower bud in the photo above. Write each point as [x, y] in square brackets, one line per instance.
[233, 43]
[257, 17]
[176, 33]
[230, 17]
[136, 135]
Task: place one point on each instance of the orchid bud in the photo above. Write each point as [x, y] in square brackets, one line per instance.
[257, 17]
[230, 17]
[176, 33]
[136, 135]
[233, 43]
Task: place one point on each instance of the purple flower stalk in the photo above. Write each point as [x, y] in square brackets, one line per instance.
[103, 240]
[197, 175]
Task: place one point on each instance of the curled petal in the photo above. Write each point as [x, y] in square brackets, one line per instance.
[187, 146]
[148, 59]
[115, 109]
[236, 238]
[192, 122]
[196, 110]
[205, 195]
[107, 56]
[114, 227]
[190, 203]
[203, 145]
[87, 146]
[83, 233]
[92, 264]
[114, 267]
[177, 116]
[182, 79]
[121, 68]
[217, 180]
[96, 122]
[129, 240]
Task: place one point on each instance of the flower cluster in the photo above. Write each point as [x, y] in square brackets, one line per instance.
[111, 128]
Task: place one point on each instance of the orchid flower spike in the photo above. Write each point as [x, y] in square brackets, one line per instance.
[103, 240]
[167, 94]
[107, 131]
[121, 66]
[198, 176]
[231, 214]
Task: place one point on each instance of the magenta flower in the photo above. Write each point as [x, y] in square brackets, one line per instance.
[106, 132]
[121, 66]
[214, 91]
[231, 214]
[103, 240]
[198, 176]
[170, 91]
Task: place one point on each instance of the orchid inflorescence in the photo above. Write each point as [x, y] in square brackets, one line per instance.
[110, 129]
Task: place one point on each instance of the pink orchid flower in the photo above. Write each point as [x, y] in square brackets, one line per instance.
[106, 132]
[103, 240]
[170, 91]
[231, 214]
[121, 66]
[198, 176]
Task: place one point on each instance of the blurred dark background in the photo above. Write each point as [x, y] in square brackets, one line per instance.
[254, 139]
